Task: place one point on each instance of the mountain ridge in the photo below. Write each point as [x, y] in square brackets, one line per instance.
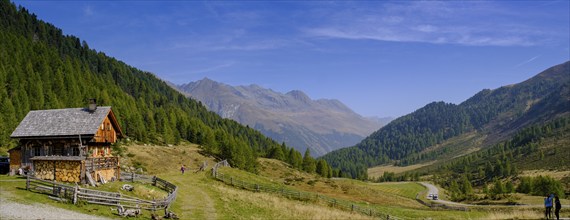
[321, 125]
[497, 113]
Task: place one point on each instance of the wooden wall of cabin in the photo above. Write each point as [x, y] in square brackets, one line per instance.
[99, 150]
[106, 132]
[50, 147]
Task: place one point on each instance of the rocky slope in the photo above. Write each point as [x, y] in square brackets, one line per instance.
[321, 125]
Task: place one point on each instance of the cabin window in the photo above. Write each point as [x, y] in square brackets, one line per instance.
[57, 150]
[102, 126]
[108, 126]
[74, 150]
[36, 151]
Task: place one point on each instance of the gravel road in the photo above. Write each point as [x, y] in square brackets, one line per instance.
[13, 210]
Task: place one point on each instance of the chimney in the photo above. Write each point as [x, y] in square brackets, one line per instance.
[92, 105]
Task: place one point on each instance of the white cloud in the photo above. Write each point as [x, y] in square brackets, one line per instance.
[463, 23]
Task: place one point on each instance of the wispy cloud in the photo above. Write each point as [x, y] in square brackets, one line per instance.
[465, 23]
[527, 61]
[88, 11]
[214, 68]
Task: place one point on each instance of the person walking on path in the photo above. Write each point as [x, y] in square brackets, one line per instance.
[548, 206]
[182, 169]
[557, 207]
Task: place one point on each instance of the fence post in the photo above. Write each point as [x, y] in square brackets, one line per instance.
[352, 207]
[154, 180]
[54, 191]
[133, 177]
[28, 182]
[75, 189]
[334, 202]
[370, 212]
[257, 187]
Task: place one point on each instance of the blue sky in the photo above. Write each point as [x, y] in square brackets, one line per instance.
[381, 58]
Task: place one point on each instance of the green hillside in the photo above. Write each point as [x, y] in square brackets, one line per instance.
[496, 114]
[40, 68]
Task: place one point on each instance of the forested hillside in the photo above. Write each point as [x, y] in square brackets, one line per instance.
[497, 113]
[40, 68]
[541, 146]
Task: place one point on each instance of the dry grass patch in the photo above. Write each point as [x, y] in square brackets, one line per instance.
[386, 194]
[516, 214]
[556, 174]
[162, 159]
[378, 171]
[240, 204]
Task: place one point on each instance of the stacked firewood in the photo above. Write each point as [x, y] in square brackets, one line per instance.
[65, 171]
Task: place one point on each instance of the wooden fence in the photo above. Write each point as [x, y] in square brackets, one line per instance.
[74, 194]
[298, 195]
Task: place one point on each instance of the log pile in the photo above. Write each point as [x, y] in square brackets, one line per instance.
[65, 171]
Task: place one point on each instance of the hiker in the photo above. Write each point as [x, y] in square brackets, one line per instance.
[557, 207]
[182, 169]
[548, 206]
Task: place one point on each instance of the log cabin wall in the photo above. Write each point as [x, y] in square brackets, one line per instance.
[50, 147]
[106, 133]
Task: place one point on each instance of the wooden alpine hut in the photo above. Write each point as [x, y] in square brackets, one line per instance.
[69, 145]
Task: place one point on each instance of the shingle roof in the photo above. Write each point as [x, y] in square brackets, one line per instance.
[61, 122]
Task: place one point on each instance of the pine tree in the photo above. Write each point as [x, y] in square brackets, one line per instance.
[498, 189]
[322, 168]
[277, 153]
[509, 187]
[309, 165]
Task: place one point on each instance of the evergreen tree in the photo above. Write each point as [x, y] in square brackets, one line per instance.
[509, 187]
[498, 189]
[322, 168]
[277, 153]
[309, 165]
[525, 185]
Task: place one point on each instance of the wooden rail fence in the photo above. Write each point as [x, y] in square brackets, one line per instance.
[74, 194]
[298, 195]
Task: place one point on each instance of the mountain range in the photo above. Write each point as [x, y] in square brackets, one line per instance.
[321, 125]
[491, 116]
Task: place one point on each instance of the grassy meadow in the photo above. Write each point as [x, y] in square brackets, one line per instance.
[202, 197]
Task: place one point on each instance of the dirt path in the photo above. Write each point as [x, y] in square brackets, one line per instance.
[433, 190]
[209, 209]
[13, 210]
[192, 197]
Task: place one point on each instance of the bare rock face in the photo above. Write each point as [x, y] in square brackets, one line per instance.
[321, 125]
